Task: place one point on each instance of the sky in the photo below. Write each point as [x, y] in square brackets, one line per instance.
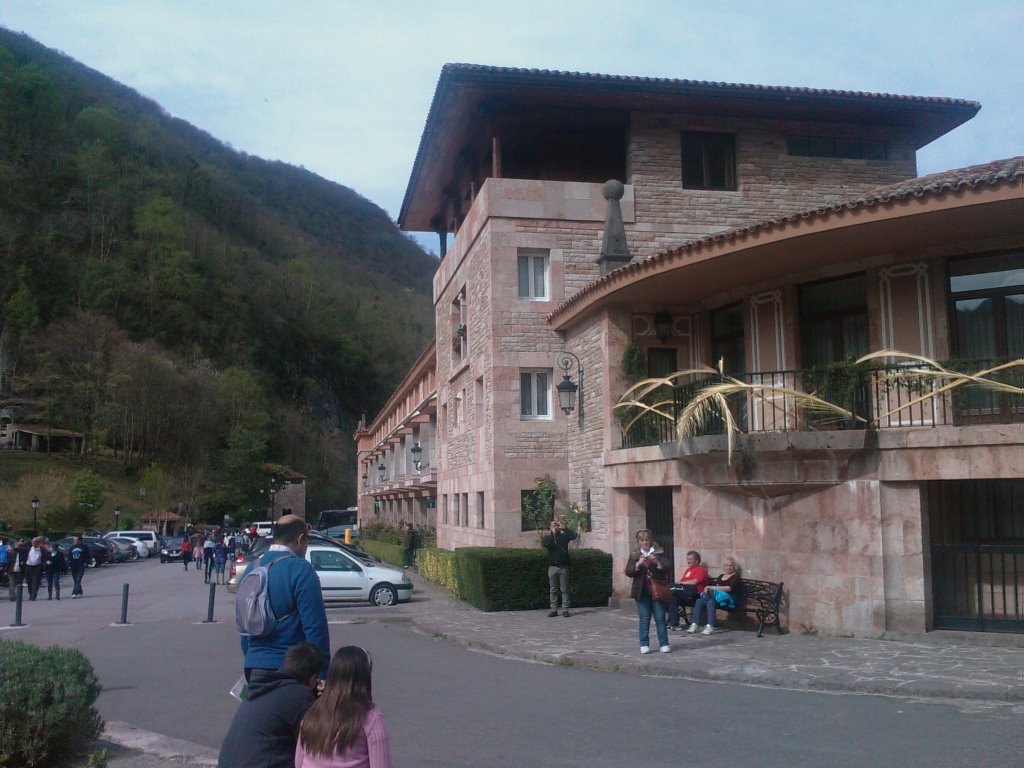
[343, 88]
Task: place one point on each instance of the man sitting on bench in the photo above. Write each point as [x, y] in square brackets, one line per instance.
[691, 585]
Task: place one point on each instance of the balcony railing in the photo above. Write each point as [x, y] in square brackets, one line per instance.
[877, 396]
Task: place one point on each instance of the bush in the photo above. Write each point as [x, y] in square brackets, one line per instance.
[495, 579]
[46, 710]
[441, 567]
[384, 532]
[389, 553]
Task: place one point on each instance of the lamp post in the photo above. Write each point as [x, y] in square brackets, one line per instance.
[381, 470]
[366, 480]
[117, 518]
[567, 388]
[35, 510]
[273, 501]
[417, 455]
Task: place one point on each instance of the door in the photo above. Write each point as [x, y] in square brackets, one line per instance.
[341, 577]
[658, 506]
[976, 532]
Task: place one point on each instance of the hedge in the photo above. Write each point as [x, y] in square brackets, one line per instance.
[500, 579]
[389, 553]
[46, 704]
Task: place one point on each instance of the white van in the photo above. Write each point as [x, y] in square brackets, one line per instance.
[151, 539]
[264, 528]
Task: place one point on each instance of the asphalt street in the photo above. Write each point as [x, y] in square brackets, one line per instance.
[450, 705]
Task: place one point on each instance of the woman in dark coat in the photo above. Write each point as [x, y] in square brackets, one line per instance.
[651, 572]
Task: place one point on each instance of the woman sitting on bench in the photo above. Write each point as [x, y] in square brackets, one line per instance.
[720, 591]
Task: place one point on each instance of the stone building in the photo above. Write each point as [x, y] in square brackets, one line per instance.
[779, 230]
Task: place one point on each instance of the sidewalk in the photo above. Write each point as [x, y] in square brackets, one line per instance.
[606, 639]
[956, 666]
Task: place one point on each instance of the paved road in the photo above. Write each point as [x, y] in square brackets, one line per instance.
[451, 706]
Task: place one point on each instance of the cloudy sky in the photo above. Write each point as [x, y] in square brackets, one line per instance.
[342, 88]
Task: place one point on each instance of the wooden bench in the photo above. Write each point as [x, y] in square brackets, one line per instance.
[761, 598]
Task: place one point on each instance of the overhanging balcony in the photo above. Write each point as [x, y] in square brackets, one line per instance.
[876, 397]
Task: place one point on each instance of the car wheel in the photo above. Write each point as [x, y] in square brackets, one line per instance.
[92, 562]
[384, 595]
[133, 556]
[163, 559]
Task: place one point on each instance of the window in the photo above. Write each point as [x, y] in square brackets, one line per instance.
[661, 361]
[535, 394]
[727, 341]
[465, 509]
[988, 306]
[533, 274]
[833, 321]
[838, 147]
[709, 160]
[325, 560]
[456, 518]
[480, 508]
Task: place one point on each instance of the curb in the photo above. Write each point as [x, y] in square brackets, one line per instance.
[164, 747]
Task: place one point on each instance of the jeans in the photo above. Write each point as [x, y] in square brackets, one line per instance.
[76, 577]
[33, 577]
[53, 583]
[708, 605]
[558, 579]
[208, 567]
[645, 606]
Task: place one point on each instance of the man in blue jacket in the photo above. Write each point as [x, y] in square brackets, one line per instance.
[296, 600]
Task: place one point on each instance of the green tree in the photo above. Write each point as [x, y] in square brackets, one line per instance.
[87, 497]
[539, 505]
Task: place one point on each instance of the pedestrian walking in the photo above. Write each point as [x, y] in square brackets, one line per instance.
[343, 728]
[78, 559]
[556, 542]
[34, 567]
[650, 569]
[55, 565]
[16, 568]
[5, 556]
[186, 552]
[197, 551]
[208, 547]
[220, 560]
[408, 546]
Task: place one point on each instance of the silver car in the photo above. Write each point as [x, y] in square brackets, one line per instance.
[137, 548]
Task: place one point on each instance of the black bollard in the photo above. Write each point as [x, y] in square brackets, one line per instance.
[17, 607]
[209, 609]
[124, 605]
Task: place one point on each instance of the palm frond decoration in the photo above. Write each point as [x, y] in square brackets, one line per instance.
[933, 371]
[711, 403]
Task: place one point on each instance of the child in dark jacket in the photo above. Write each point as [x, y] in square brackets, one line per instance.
[265, 729]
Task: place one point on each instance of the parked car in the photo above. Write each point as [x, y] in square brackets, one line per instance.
[136, 548]
[241, 561]
[170, 549]
[99, 549]
[151, 538]
[347, 578]
[122, 549]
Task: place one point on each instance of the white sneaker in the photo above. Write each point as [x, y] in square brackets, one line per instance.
[665, 649]
[645, 649]
[708, 630]
[693, 629]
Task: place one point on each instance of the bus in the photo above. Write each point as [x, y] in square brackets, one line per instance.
[334, 522]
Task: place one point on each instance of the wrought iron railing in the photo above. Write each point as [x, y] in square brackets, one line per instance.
[874, 394]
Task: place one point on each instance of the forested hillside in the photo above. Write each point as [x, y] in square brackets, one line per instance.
[186, 305]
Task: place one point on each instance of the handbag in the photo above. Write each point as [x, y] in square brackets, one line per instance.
[724, 599]
[660, 591]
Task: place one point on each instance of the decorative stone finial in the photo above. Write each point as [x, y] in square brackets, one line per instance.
[614, 250]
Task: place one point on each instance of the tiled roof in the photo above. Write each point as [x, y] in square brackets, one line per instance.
[578, 78]
[986, 174]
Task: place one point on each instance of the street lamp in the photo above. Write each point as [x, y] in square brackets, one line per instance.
[273, 500]
[417, 454]
[567, 388]
[366, 480]
[380, 471]
[117, 518]
[35, 509]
